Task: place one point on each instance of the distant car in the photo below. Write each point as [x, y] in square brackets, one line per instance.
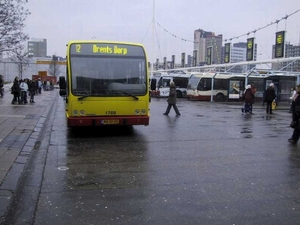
[56, 86]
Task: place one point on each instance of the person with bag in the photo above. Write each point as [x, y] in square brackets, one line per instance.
[270, 95]
[172, 100]
[295, 124]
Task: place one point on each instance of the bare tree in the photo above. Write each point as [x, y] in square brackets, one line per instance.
[12, 17]
[20, 57]
[54, 67]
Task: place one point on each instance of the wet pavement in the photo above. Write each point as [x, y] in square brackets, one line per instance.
[211, 165]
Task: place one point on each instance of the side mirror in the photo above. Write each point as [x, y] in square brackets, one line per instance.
[62, 82]
[62, 86]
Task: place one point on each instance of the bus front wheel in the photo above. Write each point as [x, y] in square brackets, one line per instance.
[220, 98]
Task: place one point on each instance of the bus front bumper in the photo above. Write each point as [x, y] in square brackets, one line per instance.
[107, 121]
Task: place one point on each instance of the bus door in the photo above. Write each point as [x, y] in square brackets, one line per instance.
[164, 86]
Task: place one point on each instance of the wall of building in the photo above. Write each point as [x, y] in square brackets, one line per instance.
[9, 69]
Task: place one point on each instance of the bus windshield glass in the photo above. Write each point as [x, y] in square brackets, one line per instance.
[107, 70]
[193, 82]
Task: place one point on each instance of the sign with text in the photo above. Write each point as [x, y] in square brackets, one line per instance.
[279, 44]
[227, 53]
[209, 55]
[107, 49]
[250, 49]
[195, 58]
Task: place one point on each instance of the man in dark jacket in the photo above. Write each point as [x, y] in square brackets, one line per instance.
[172, 100]
[296, 117]
[270, 95]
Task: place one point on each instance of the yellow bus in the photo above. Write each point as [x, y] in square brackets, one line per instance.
[106, 83]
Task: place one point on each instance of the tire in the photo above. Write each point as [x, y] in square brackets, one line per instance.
[220, 98]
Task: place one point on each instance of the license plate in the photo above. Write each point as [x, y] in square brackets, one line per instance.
[109, 121]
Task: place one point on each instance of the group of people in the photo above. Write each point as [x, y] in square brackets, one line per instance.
[249, 95]
[22, 88]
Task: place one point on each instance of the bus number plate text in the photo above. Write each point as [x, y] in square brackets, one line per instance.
[109, 121]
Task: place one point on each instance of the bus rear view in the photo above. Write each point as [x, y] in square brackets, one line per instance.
[106, 84]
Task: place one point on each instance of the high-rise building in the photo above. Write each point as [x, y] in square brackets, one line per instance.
[238, 53]
[203, 40]
[290, 51]
[37, 47]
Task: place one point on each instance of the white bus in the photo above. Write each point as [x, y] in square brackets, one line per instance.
[154, 82]
[181, 81]
[200, 86]
[226, 86]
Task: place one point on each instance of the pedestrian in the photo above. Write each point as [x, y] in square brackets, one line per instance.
[15, 90]
[172, 100]
[32, 90]
[24, 89]
[270, 95]
[292, 98]
[1, 86]
[248, 99]
[296, 117]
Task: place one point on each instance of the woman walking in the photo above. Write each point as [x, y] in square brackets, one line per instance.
[172, 100]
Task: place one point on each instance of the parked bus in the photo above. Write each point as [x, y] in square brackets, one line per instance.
[200, 86]
[226, 86]
[107, 83]
[155, 77]
[181, 81]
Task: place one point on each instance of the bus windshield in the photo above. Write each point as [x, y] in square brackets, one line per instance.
[97, 71]
[193, 82]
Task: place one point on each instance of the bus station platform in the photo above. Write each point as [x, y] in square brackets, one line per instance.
[21, 126]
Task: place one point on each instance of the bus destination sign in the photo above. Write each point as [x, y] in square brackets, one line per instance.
[106, 49]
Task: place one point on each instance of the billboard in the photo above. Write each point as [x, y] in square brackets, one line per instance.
[279, 44]
[227, 53]
[209, 55]
[250, 49]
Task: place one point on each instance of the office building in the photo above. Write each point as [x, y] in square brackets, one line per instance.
[203, 40]
[37, 47]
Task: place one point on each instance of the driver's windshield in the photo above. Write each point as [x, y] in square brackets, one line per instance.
[193, 82]
[108, 76]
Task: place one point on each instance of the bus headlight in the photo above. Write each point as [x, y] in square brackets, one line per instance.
[137, 112]
[75, 112]
[82, 112]
[143, 111]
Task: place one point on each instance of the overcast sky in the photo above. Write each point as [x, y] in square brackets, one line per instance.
[131, 20]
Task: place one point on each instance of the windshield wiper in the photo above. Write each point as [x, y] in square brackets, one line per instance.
[124, 92]
[85, 96]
